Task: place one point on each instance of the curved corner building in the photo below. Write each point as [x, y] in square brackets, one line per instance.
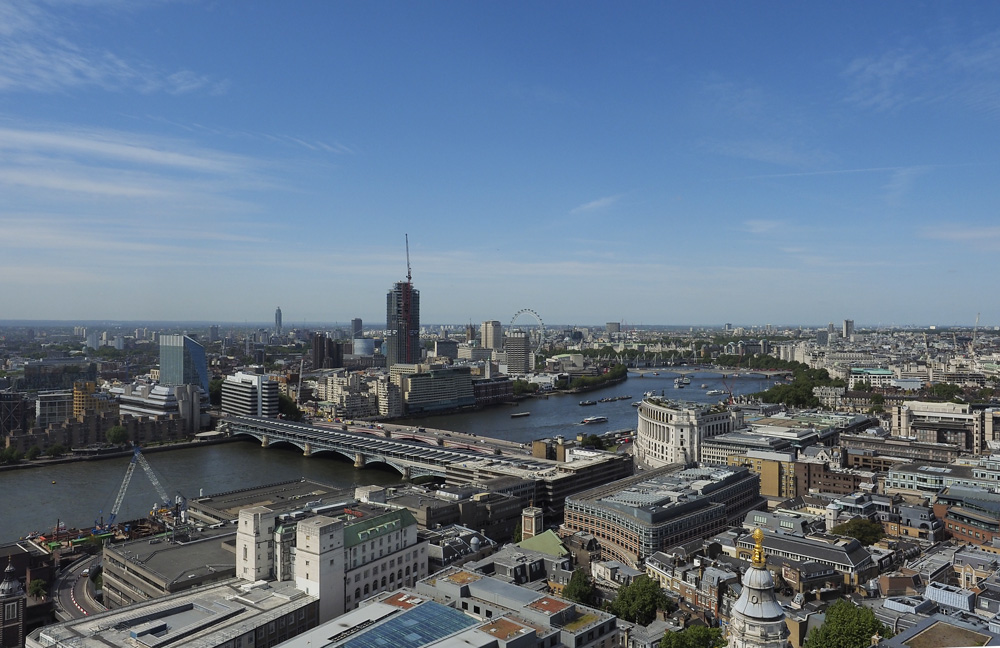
[670, 432]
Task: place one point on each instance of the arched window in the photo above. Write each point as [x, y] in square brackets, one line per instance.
[400, 575]
[407, 570]
[357, 593]
[383, 581]
[366, 588]
[392, 578]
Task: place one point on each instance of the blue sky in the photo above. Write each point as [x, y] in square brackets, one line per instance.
[645, 162]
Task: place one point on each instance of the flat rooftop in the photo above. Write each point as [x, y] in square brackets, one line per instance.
[204, 554]
[201, 618]
[282, 497]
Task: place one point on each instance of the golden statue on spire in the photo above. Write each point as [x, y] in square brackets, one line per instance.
[758, 551]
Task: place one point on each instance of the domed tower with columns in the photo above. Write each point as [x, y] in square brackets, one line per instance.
[757, 619]
[12, 608]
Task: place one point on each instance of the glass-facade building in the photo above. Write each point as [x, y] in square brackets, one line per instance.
[182, 361]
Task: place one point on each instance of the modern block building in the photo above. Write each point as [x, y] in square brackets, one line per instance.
[776, 471]
[969, 427]
[491, 333]
[635, 517]
[517, 346]
[402, 323]
[246, 394]
[182, 361]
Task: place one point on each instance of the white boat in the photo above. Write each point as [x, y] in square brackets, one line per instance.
[714, 392]
[595, 419]
[678, 383]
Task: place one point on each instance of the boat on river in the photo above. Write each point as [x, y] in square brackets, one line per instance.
[585, 403]
[520, 414]
[594, 419]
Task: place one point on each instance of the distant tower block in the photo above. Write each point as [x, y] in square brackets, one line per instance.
[531, 522]
[277, 321]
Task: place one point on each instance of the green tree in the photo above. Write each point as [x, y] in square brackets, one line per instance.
[215, 391]
[32, 453]
[522, 387]
[639, 601]
[865, 531]
[594, 441]
[694, 637]
[116, 435]
[37, 588]
[517, 532]
[945, 391]
[56, 450]
[288, 409]
[847, 626]
[579, 589]
[10, 456]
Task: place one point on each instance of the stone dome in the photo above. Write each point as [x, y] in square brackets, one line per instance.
[10, 585]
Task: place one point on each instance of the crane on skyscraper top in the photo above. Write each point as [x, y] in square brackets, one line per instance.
[406, 303]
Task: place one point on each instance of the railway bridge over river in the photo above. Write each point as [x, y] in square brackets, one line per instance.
[420, 453]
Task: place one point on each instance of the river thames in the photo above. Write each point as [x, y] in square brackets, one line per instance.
[80, 493]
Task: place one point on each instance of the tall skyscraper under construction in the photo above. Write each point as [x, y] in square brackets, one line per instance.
[402, 322]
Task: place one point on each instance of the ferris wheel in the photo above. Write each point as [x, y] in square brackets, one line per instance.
[535, 329]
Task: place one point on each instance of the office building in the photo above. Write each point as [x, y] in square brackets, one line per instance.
[848, 329]
[427, 389]
[137, 571]
[672, 432]
[213, 333]
[635, 517]
[223, 615]
[492, 335]
[344, 554]
[246, 394]
[357, 329]
[53, 407]
[776, 471]
[187, 402]
[56, 373]
[517, 346]
[277, 321]
[402, 323]
[183, 362]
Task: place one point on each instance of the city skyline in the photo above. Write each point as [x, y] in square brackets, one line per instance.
[645, 163]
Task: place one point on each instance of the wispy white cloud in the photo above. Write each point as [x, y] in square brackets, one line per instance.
[783, 153]
[37, 54]
[760, 226]
[335, 147]
[596, 205]
[960, 72]
[119, 147]
[982, 236]
[900, 183]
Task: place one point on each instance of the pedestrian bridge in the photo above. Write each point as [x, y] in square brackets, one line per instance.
[410, 458]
